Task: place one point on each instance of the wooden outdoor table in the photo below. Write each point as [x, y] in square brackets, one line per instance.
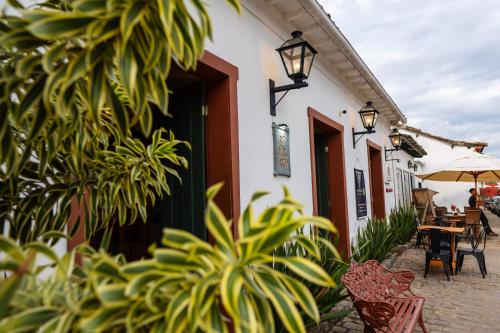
[453, 231]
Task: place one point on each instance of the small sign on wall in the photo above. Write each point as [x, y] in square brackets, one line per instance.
[281, 150]
[359, 183]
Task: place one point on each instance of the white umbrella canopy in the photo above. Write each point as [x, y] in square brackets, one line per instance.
[474, 168]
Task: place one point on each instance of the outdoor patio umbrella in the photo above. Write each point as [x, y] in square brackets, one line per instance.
[474, 168]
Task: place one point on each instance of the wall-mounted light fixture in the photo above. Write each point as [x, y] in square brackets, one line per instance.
[415, 167]
[297, 56]
[410, 165]
[369, 117]
[395, 138]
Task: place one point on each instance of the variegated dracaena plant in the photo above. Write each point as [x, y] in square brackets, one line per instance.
[75, 77]
[188, 285]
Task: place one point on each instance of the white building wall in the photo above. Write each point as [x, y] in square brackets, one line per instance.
[395, 198]
[249, 42]
[439, 154]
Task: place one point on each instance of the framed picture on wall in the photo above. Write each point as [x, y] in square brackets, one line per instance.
[359, 184]
[281, 150]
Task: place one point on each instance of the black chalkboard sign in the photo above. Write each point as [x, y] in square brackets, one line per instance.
[359, 183]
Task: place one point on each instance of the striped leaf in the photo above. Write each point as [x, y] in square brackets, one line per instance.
[60, 25]
[307, 270]
[282, 303]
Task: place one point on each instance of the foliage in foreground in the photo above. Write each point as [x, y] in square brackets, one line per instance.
[330, 260]
[187, 286]
[80, 84]
[379, 236]
[116, 183]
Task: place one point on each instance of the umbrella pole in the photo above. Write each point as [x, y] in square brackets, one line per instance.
[477, 193]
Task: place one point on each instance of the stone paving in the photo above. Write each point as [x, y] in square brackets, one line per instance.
[468, 303]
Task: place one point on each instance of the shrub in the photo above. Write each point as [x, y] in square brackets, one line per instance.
[187, 286]
[373, 242]
[330, 260]
[402, 224]
[380, 236]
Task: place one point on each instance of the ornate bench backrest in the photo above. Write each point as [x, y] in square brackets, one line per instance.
[369, 282]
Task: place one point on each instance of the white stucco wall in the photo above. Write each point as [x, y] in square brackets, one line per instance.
[392, 198]
[249, 42]
[440, 154]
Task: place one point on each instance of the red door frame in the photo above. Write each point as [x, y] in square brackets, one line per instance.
[222, 132]
[222, 140]
[336, 172]
[377, 192]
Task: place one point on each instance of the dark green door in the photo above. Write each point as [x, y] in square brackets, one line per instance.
[321, 157]
[184, 208]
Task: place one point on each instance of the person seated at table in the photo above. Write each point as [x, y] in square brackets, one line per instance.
[484, 219]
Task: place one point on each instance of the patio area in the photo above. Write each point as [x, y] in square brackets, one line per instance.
[467, 303]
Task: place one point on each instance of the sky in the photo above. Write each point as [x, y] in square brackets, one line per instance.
[439, 60]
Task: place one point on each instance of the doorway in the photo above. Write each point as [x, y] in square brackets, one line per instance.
[328, 175]
[184, 207]
[377, 192]
[204, 109]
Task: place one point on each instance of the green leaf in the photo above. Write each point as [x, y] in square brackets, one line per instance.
[60, 26]
[307, 270]
[32, 96]
[8, 289]
[219, 227]
[302, 296]
[231, 289]
[52, 55]
[131, 16]
[119, 112]
[28, 320]
[286, 310]
[98, 320]
[94, 7]
[309, 245]
[97, 91]
[175, 314]
[128, 70]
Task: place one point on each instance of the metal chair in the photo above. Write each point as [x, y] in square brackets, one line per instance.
[438, 252]
[420, 220]
[474, 251]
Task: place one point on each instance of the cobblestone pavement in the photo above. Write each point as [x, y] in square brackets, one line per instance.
[468, 303]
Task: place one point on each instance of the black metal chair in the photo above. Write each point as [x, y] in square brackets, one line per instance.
[438, 252]
[421, 212]
[474, 251]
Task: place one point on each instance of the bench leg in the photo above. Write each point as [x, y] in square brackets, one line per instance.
[421, 322]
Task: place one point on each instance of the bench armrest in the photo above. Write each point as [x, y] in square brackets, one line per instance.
[404, 280]
[375, 314]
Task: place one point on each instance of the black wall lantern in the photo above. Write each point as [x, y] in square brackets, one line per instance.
[395, 138]
[415, 167]
[410, 165]
[297, 56]
[369, 117]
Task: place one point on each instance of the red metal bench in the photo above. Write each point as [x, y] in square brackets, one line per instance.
[383, 298]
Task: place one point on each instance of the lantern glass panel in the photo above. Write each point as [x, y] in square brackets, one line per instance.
[369, 119]
[308, 60]
[292, 59]
[395, 139]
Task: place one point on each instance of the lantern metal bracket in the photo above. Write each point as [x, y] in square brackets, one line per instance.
[388, 153]
[286, 88]
[360, 134]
